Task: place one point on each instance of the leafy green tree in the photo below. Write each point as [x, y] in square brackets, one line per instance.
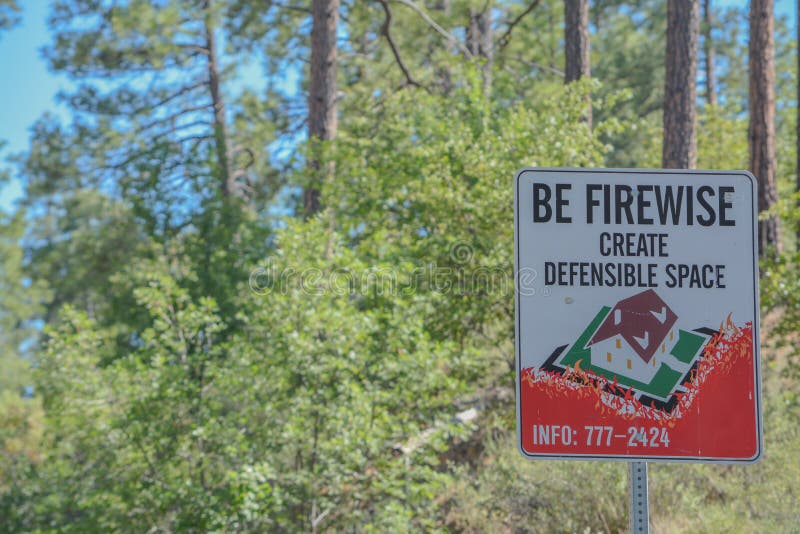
[151, 163]
[21, 418]
[310, 415]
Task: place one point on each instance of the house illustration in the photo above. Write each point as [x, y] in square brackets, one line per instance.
[637, 335]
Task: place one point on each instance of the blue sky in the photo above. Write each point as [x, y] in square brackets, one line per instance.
[30, 89]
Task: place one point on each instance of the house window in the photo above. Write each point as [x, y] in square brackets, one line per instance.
[630, 365]
[663, 347]
[654, 362]
[608, 356]
[671, 334]
[619, 343]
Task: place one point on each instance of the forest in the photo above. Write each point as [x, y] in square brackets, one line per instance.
[261, 275]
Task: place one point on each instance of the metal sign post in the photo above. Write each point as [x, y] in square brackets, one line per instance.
[639, 508]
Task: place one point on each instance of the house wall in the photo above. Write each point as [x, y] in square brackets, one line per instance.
[639, 370]
[670, 340]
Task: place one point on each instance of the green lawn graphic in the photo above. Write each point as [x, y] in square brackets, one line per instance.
[687, 346]
[665, 379]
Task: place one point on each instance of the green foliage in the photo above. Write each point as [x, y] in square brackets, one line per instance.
[303, 412]
[21, 418]
[511, 494]
[719, 127]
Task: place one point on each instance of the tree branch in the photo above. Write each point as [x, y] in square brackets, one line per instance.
[292, 8]
[539, 66]
[170, 118]
[193, 47]
[180, 92]
[246, 150]
[385, 31]
[433, 24]
[506, 37]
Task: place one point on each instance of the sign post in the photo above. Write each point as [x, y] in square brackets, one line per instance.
[637, 318]
[639, 505]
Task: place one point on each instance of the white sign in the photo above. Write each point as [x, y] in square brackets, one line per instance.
[637, 314]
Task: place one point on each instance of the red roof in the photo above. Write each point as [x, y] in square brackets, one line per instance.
[643, 320]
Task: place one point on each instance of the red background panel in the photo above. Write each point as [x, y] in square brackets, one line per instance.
[721, 421]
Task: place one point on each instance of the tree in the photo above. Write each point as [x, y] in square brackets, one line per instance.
[625, 50]
[708, 47]
[761, 130]
[20, 414]
[680, 89]
[172, 48]
[576, 40]
[159, 155]
[576, 44]
[220, 122]
[322, 120]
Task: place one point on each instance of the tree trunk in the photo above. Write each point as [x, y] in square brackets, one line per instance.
[322, 93]
[761, 131]
[576, 39]
[708, 45]
[576, 44]
[680, 87]
[218, 109]
[480, 41]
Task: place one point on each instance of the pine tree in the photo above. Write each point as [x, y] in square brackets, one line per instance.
[710, 55]
[680, 90]
[172, 119]
[322, 119]
[576, 44]
[761, 131]
[159, 155]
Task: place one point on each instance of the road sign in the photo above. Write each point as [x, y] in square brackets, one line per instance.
[637, 315]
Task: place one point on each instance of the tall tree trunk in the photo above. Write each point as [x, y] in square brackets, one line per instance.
[708, 46]
[761, 131]
[680, 87]
[218, 108]
[322, 92]
[480, 42]
[576, 44]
